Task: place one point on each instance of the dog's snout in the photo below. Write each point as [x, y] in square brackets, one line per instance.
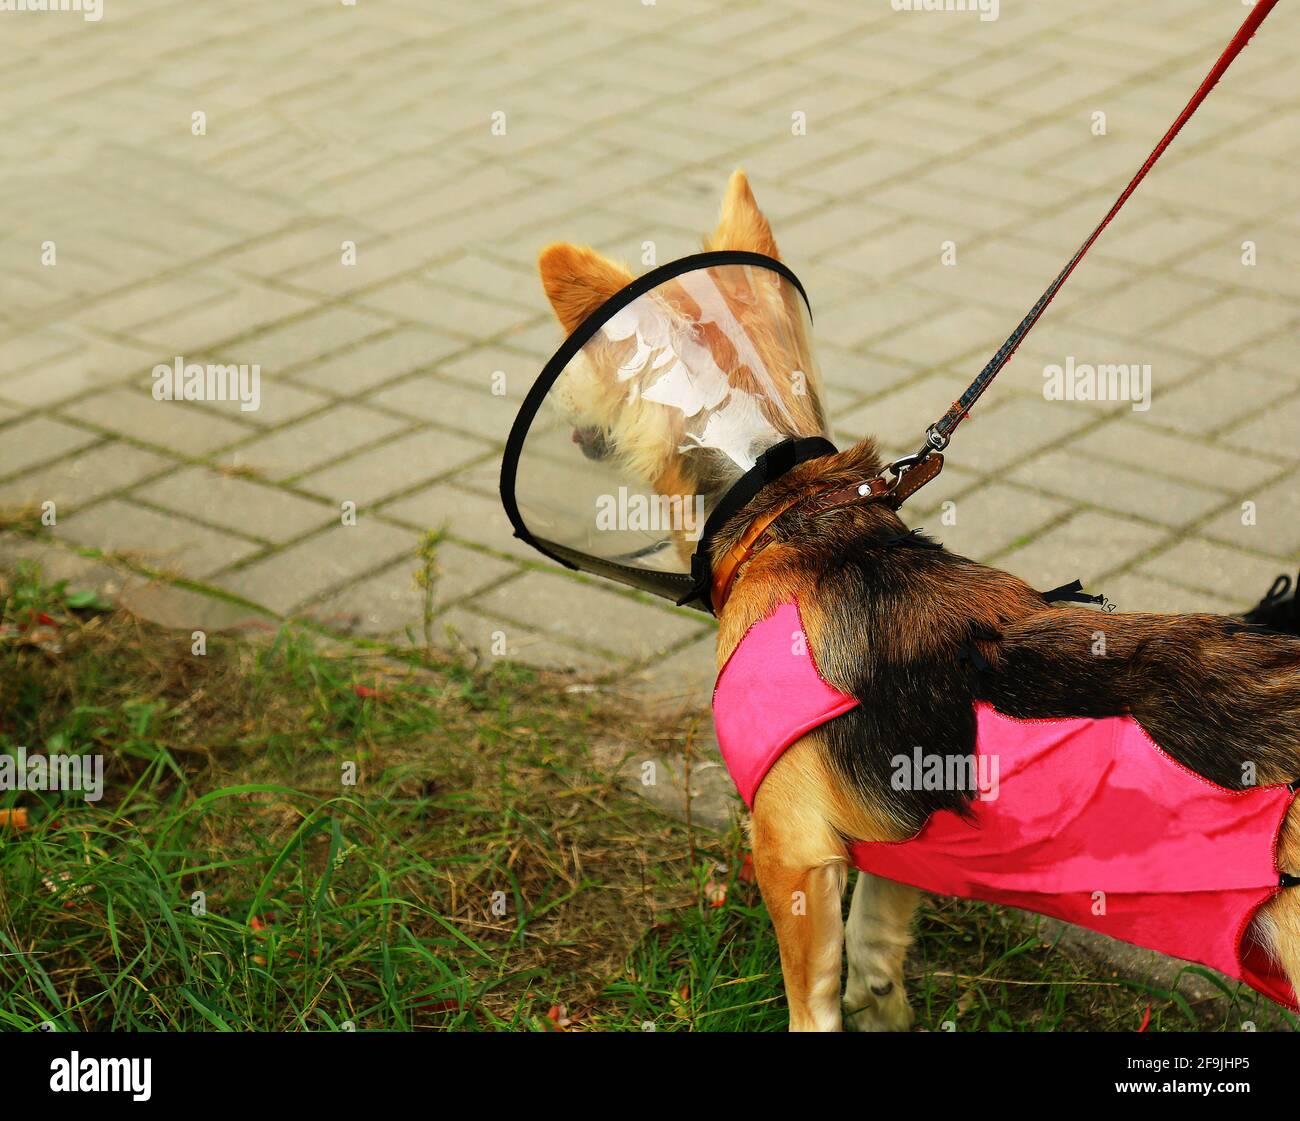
[592, 442]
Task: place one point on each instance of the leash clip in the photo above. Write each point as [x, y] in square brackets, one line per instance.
[906, 463]
[910, 474]
[935, 441]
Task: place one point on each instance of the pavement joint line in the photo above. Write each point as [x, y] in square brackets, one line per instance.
[290, 481]
[119, 492]
[275, 548]
[189, 518]
[186, 267]
[129, 564]
[56, 412]
[14, 476]
[618, 662]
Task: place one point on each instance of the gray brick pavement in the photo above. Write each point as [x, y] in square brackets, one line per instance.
[390, 381]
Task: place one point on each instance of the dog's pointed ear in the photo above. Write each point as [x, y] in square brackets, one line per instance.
[578, 280]
[742, 225]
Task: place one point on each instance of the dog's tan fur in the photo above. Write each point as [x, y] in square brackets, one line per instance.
[806, 813]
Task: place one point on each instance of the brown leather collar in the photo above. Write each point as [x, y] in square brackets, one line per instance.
[893, 492]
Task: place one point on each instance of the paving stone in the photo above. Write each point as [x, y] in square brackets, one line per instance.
[23, 349]
[908, 247]
[243, 506]
[247, 309]
[681, 682]
[299, 573]
[38, 440]
[1145, 304]
[293, 344]
[390, 603]
[56, 563]
[164, 542]
[460, 312]
[306, 444]
[177, 426]
[284, 251]
[1126, 490]
[1135, 591]
[95, 366]
[492, 637]
[999, 434]
[479, 368]
[380, 259]
[874, 312]
[587, 614]
[1274, 430]
[394, 466]
[1214, 401]
[281, 401]
[1269, 524]
[1084, 547]
[149, 303]
[181, 609]
[480, 274]
[1275, 254]
[861, 376]
[1213, 568]
[1274, 356]
[940, 339]
[902, 411]
[1128, 439]
[993, 518]
[73, 482]
[476, 518]
[380, 360]
[1235, 321]
[451, 405]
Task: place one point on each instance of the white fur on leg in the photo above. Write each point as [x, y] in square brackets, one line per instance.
[877, 935]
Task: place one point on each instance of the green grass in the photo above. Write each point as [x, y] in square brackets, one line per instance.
[327, 905]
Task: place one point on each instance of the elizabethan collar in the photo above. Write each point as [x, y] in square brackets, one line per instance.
[661, 415]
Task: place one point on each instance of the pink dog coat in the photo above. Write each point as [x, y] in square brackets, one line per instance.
[1089, 820]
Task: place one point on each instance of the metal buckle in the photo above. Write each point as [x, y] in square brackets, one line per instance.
[935, 440]
[906, 463]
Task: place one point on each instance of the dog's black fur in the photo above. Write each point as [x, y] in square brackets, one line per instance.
[918, 634]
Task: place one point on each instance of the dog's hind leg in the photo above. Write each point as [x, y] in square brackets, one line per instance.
[802, 864]
[1277, 925]
[877, 935]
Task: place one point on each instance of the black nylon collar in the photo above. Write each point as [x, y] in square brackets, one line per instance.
[768, 467]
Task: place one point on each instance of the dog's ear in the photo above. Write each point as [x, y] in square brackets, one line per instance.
[742, 225]
[578, 280]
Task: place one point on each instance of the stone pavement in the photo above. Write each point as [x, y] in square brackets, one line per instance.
[352, 198]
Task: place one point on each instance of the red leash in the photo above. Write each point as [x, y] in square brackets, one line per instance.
[939, 433]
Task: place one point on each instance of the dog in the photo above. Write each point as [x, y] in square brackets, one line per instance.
[899, 629]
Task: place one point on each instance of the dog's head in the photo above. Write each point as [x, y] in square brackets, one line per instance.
[685, 386]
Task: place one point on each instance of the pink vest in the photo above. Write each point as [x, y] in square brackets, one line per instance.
[1088, 821]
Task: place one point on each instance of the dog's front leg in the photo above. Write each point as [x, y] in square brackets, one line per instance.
[876, 935]
[805, 907]
[802, 866]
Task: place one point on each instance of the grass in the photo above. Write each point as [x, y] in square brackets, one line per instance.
[301, 836]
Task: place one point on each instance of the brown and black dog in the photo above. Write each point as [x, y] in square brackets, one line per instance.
[897, 625]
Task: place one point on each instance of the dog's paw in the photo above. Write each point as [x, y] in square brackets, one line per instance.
[883, 1007]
